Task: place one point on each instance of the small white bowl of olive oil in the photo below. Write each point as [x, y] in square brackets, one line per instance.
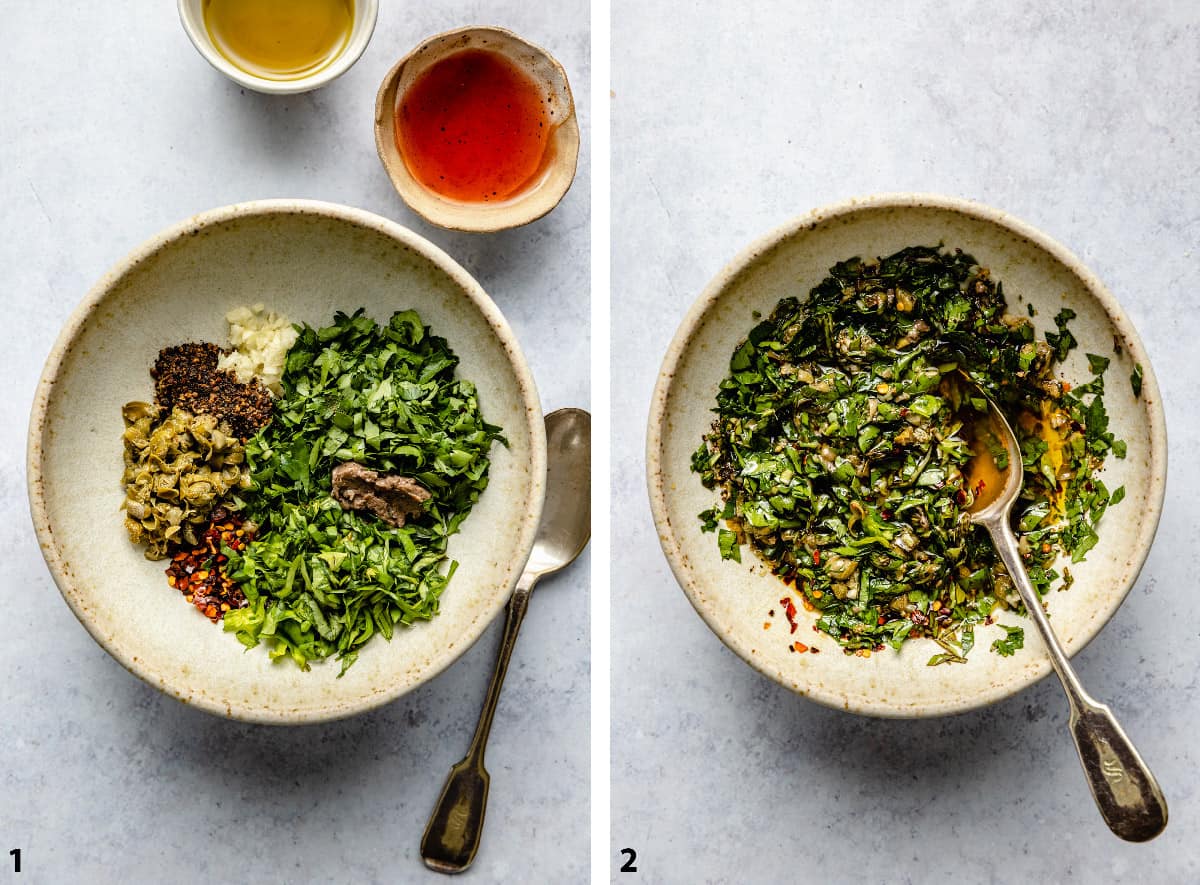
[280, 47]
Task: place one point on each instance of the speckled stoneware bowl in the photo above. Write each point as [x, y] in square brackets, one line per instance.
[562, 153]
[305, 259]
[734, 598]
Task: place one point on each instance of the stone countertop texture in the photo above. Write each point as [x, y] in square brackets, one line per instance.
[114, 128]
[734, 118]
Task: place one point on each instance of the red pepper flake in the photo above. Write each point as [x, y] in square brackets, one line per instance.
[814, 649]
[789, 610]
[800, 647]
[816, 557]
[199, 572]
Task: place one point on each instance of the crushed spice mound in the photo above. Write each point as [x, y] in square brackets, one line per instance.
[199, 572]
[187, 376]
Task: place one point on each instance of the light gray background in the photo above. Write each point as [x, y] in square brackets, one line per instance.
[730, 119]
[113, 128]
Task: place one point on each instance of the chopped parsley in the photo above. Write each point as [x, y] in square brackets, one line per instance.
[1014, 639]
[320, 580]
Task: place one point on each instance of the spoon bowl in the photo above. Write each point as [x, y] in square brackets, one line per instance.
[995, 488]
[566, 516]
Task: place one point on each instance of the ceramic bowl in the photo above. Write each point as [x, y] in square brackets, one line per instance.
[734, 598]
[535, 200]
[306, 260]
[366, 12]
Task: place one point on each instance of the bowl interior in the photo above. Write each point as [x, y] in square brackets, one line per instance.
[305, 260]
[734, 598]
[562, 151]
[366, 12]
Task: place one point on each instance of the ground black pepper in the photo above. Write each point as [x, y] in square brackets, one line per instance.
[187, 376]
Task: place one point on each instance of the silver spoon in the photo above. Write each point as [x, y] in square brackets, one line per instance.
[1125, 791]
[454, 829]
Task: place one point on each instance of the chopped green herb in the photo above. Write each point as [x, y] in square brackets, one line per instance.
[728, 543]
[320, 580]
[1064, 341]
[1135, 380]
[1014, 639]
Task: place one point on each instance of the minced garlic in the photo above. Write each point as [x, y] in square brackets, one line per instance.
[261, 341]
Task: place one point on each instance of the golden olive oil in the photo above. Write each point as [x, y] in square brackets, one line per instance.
[279, 39]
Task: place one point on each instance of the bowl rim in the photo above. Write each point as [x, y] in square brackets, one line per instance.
[366, 16]
[742, 262]
[96, 296]
[515, 212]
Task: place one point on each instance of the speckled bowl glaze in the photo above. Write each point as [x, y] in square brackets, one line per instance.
[305, 259]
[734, 598]
[535, 200]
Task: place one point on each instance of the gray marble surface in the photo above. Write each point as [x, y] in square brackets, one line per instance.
[114, 128]
[730, 119]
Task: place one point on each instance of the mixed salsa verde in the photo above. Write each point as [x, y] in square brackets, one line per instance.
[839, 453]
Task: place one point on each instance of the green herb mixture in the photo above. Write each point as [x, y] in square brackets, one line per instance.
[839, 455]
[320, 580]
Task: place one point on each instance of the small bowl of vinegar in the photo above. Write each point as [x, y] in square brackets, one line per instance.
[280, 47]
[476, 128]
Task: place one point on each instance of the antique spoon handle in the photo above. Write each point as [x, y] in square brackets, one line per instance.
[454, 829]
[1125, 790]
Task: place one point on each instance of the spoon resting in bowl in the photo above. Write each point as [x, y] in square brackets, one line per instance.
[1125, 790]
